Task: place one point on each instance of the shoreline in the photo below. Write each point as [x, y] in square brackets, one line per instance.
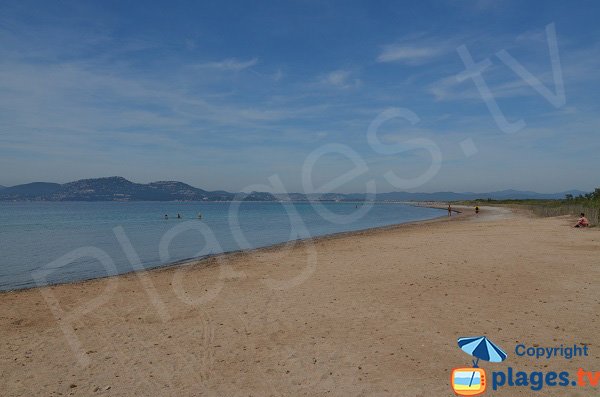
[199, 261]
[354, 322]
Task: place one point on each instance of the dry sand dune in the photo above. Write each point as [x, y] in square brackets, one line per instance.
[374, 313]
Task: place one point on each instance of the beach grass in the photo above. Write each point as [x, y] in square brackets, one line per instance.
[589, 204]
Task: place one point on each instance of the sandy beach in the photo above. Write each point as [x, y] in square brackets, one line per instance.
[373, 313]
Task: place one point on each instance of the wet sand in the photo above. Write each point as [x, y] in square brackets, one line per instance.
[373, 313]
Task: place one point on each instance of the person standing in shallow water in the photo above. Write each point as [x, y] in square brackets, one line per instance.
[178, 216]
[166, 216]
[449, 210]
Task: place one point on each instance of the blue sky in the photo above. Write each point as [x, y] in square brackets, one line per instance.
[225, 94]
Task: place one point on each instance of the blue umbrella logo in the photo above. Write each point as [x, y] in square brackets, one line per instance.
[481, 348]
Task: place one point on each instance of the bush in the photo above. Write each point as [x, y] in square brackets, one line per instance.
[592, 213]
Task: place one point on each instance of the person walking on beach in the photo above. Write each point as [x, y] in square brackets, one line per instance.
[449, 210]
[582, 222]
[476, 210]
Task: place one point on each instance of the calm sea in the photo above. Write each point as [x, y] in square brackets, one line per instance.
[74, 241]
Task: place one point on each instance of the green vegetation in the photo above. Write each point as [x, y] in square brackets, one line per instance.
[588, 203]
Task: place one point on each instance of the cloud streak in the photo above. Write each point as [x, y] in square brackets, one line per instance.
[231, 64]
[408, 54]
[341, 79]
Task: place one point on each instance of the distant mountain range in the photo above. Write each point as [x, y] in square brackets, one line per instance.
[120, 189]
[437, 196]
[497, 195]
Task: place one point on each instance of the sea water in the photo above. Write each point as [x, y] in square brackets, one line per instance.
[72, 241]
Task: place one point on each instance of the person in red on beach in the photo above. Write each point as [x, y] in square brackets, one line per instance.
[582, 222]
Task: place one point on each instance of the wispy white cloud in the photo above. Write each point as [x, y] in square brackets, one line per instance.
[450, 89]
[408, 54]
[419, 48]
[231, 64]
[278, 75]
[531, 48]
[341, 79]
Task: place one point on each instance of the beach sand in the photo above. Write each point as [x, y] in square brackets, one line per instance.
[374, 313]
